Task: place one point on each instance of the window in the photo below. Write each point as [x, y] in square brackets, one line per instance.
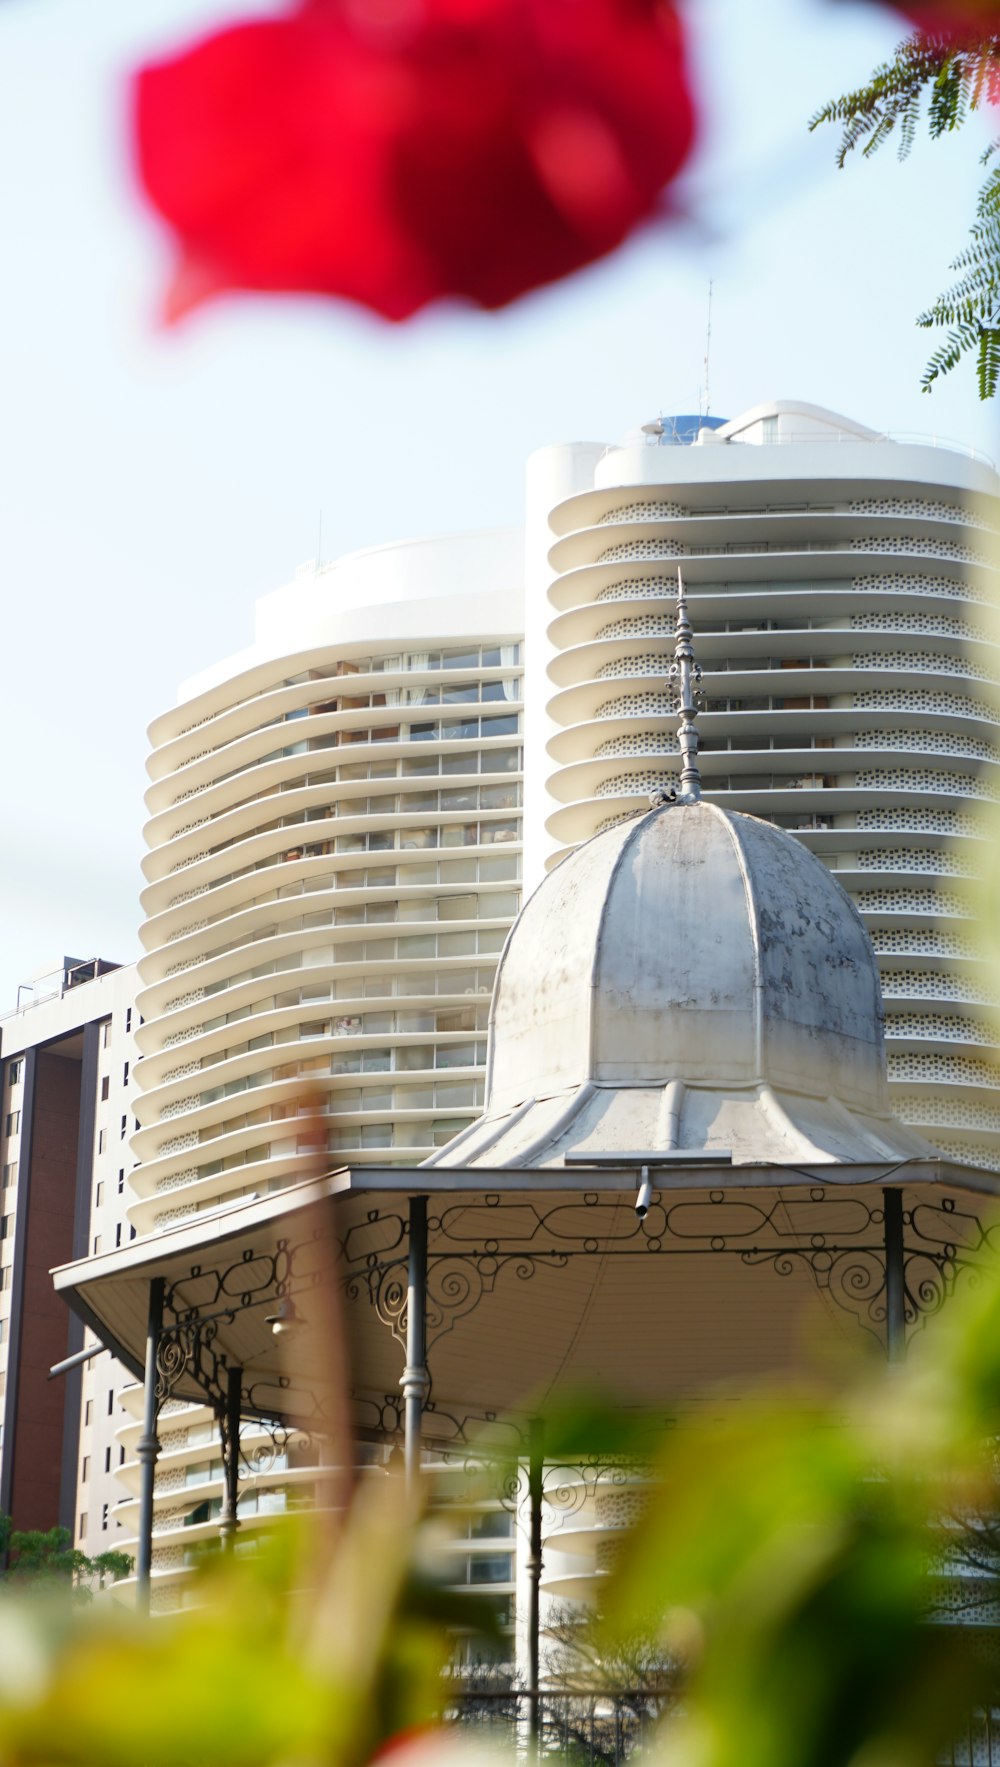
[105, 1086]
[111, 1400]
[9, 1174]
[121, 1181]
[496, 1569]
[102, 1137]
[131, 1233]
[107, 1459]
[99, 1195]
[5, 1275]
[104, 1517]
[118, 1234]
[128, 1027]
[3, 1329]
[85, 1470]
[97, 1244]
[13, 1122]
[105, 1033]
[125, 1075]
[82, 1530]
[6, 1226]
[88, 1412]
[14, 1072]
[124, 1127]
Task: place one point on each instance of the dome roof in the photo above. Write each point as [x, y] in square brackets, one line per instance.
[692, 979]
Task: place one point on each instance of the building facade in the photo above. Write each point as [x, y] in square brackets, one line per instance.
[66, 1057]
[839, 585]
[334, 864]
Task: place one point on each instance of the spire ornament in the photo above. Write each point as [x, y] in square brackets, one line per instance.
[685, 676]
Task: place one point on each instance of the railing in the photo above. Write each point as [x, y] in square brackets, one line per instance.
[822, 437]
[606, 1729]
[595, 1729]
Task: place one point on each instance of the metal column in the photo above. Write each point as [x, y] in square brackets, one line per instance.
[895, 1275]
[229, 1520]
[536, 1468]
[148, 1447]
[416, 1380]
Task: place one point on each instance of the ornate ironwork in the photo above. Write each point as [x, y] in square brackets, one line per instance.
[201, 1303]
[834, 1234]
[456, 1283]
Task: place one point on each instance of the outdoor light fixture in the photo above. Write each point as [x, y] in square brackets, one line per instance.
[286, 1320]
[645, 1196]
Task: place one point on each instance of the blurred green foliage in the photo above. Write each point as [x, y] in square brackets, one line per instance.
[37, 1557]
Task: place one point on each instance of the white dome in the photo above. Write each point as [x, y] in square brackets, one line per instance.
[694, 979]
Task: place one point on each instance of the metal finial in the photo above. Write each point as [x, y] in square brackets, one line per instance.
[687, 674]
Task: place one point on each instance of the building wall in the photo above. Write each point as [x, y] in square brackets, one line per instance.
[334, 863]
[838, 585]
[64, 1159]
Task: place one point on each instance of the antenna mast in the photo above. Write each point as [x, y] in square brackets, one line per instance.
[708, 351]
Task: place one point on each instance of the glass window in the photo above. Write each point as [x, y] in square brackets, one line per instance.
[456, 944]
[495, 1568]
[496, 1524]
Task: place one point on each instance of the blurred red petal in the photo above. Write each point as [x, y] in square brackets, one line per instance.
[397, 151]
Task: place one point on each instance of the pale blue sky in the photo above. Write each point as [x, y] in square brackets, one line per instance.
[154, 484]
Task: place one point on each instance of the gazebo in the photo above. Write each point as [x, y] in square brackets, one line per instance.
[687, 1153]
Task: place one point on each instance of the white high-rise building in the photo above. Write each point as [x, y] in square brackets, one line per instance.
[334, 863]
[838, 583]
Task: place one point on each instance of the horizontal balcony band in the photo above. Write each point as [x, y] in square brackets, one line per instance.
[153, 1036]
[583, 742]
[774, 467]
[573, 706]
[291, 816]
[269, 690]
[453, 986]
[242, 924]
[577, 822]
[317, 748]
[596, 623]
[314, 874]
[160, 975]
[768, 651]
[156, 1003]
[751, 576]
[598, 781]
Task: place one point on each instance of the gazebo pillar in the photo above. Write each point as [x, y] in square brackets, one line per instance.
[148, 1446]
[229, 1520]
[415, 1380]
[536, 1470]
[895, 1275]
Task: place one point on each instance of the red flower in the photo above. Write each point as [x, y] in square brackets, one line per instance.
[399, 151]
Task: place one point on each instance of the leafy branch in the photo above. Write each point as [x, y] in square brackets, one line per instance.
[950, 77]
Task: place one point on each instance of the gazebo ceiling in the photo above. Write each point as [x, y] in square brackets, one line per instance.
[543, 1282]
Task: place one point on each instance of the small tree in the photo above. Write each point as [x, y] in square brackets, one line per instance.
[36, 1556]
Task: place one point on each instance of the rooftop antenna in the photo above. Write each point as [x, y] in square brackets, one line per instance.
[708, 353]
[687, 675]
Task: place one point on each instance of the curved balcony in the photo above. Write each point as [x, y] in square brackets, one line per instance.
[850, 693]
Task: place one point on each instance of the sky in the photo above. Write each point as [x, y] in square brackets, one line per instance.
[153, 483]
